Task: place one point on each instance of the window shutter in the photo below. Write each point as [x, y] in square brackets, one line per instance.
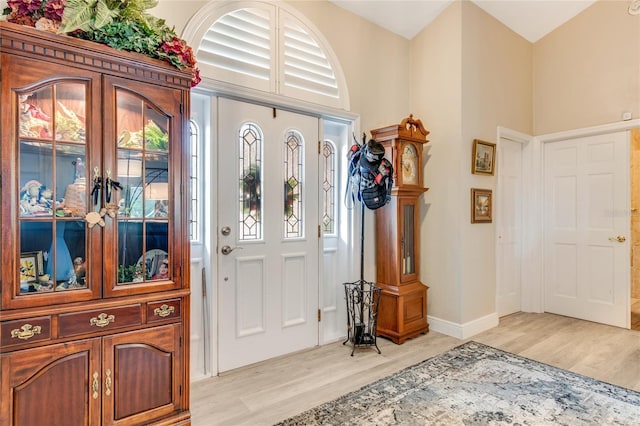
[305, 66]
[267, 48]
[238, 46]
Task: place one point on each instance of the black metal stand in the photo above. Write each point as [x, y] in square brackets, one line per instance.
[363, 298]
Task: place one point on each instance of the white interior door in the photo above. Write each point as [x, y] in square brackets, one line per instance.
[268, 240]
[510, 232]
[586, 200]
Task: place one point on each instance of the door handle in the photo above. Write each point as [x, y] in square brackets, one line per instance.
[619, 238]
[228, 249]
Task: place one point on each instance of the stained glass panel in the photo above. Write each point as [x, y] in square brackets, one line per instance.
[293, 179]
[328, 157]
[250, 140]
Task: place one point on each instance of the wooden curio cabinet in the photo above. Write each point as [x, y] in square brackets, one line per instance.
[402, 313]
[94, 286]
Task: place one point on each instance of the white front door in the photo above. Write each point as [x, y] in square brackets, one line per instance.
[268, 240]
[586, 222]
[509, 218]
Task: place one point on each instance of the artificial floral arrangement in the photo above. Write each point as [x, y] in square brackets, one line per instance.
[121, 24]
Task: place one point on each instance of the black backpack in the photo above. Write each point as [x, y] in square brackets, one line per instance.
[370, 175]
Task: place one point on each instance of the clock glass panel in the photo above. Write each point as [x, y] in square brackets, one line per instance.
[408, 255]
[409, 164]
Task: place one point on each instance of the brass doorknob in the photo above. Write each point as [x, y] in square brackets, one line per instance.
[619, 238]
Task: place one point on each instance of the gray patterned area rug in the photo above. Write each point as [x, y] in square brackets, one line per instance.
[474, 384]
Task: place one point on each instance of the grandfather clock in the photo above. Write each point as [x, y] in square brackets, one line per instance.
[402, 313]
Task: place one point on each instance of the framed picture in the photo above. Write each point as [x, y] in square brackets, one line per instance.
[31, 266]
[481, 205]
[484, 158]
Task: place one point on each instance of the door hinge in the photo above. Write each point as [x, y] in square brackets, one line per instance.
[319, 232]
[180, 389]
[319, 315]
[181, 109]
[275, 113]
[319, 146]
[203, 274]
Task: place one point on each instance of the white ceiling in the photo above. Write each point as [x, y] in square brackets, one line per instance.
[532, 19]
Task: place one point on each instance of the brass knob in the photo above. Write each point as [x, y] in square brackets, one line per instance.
[619, 238]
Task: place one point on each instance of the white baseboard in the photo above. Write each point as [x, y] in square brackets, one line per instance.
[463, 331]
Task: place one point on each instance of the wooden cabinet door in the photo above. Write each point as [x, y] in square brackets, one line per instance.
[143, 375]
[57, 385]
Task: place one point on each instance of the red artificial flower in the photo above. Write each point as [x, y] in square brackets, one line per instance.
[54, 10]
[18, 18]
[179, 48]
[195, 79]
[24, 7]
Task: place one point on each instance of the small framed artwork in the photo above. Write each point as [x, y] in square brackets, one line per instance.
[481, 207]
[31, 266]
[484, 158]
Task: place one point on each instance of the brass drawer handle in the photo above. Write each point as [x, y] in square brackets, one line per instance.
[102, 320]
[27, 332]
[164, 310]
[95, 385]
[107, 383]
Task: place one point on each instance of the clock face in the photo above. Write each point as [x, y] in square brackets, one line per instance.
[409, 163]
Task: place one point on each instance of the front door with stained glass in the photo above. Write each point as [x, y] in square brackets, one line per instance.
[268, 232]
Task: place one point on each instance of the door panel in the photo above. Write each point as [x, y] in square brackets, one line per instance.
[586, 200]
[54, 385]
[268, 233]
[509, 215]
[142, 375]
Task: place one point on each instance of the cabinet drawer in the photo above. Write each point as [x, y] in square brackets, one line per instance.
[25, 330]
[98, 320]
[164, 310]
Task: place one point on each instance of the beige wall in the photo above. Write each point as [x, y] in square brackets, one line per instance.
[470, 75]
[177, 13]
[496, 91]
[436, 99]
[587, 72]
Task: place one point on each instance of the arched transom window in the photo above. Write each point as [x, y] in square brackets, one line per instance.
[269, 47]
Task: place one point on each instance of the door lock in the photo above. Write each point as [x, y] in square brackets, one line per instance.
[225, 231]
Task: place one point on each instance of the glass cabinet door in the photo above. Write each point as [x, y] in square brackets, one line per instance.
[143, 156]
[52, 199]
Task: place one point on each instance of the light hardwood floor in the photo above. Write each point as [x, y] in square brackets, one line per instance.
[268, 392]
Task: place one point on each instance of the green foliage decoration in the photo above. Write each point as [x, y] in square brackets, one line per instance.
[121, 24]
